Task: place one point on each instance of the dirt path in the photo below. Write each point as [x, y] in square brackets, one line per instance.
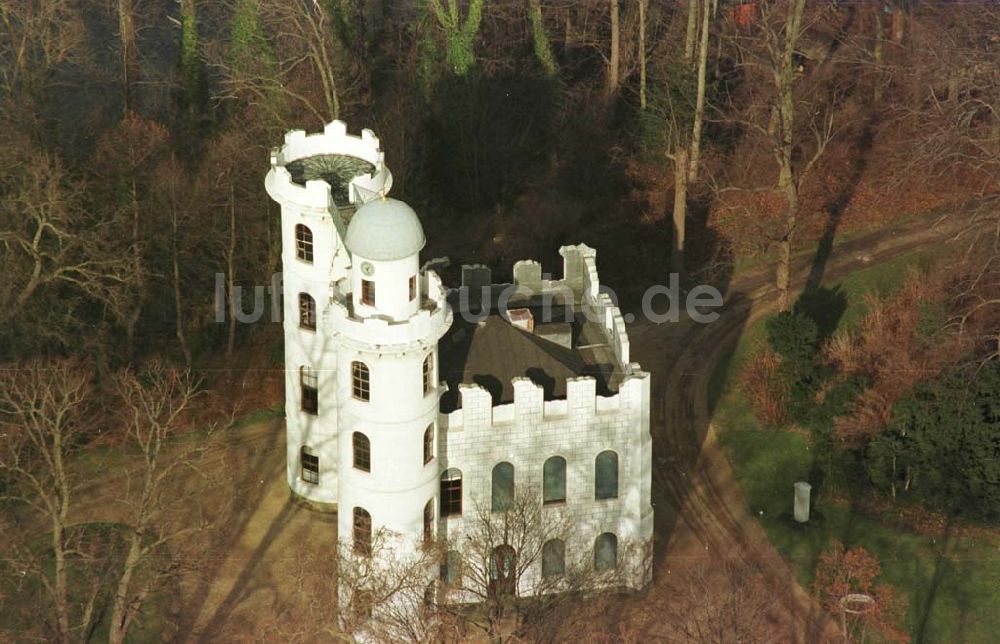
[700, 509]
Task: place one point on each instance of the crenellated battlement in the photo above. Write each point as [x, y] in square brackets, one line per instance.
[314, 196]
[582, 401]
[431, 321]
[579, 285]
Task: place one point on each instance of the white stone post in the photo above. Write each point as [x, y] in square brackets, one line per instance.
[802, 490]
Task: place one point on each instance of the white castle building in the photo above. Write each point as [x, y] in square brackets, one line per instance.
[405, 411]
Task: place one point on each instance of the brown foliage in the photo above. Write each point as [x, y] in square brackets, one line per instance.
[841, 573]
[890, 351]
[765, 389]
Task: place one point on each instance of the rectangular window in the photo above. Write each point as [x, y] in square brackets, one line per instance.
[310, 390]
[303, 243]
[310, 466]
[413, 287]
[451, 495]
[368, 292]
[428, 374]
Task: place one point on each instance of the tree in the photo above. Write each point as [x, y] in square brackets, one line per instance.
[943, 443]
[723, 602]
[57, 256]
[126, 158]
[460, 35]
[36, 39]
[845, 576]
[543, 48]
[46, 411]
[156, 400]
[285, 58]
[500, 553]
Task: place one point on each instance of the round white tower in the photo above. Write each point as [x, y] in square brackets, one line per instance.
[318, 180]
[386, 332]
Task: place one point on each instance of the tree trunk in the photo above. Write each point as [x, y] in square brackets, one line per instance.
[877, 55]
[543, 49]
[135, 310]
[699, 109]
[692, 30]
[178, 300]
[613, 60]
[787, 181]
[121, 611]
[130, 59]
[680, 209]
[231, 273]
[642, 53]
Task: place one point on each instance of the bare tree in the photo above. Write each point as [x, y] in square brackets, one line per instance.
[717, 603]
[45, 411]
[49, 244]
[289, 54]
[771, 56]
[500, 556]
[35, 39]
[156, 400]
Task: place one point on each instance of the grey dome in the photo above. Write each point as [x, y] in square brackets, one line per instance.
[384, 230]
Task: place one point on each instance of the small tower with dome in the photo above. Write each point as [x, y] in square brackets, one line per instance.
[362, 324]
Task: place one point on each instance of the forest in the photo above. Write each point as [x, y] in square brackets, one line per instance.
[707, 138]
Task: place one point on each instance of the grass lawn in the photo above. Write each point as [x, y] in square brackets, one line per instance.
[952, 585]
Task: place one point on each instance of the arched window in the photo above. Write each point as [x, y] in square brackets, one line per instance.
[554, 480]
[503, 486]
[503, 570]
[362, 532]
[429, 444]
[309, 465]
[428, 373]
[360, 381]
[413, 287]
[309, 386]
[606, 475]
[554, 558]
[429, 522]
[303, 243]
[307, 312]
[362, 452]
[606, 552]
[451, 492]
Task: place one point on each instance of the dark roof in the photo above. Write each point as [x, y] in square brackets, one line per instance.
[336, 169]
[491, 353]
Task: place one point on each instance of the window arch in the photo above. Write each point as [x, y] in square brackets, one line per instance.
[554, 480]
[362, 532]
[503, 487]
[606, 475]
[429, 444]
[362, 452]
[428, 373]
[429, 522]
[451, 492]
[554, 558]
[606, 552]
[307, 312]
[303, 243]
[360, 381]
[309, 389]
[309, 465]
